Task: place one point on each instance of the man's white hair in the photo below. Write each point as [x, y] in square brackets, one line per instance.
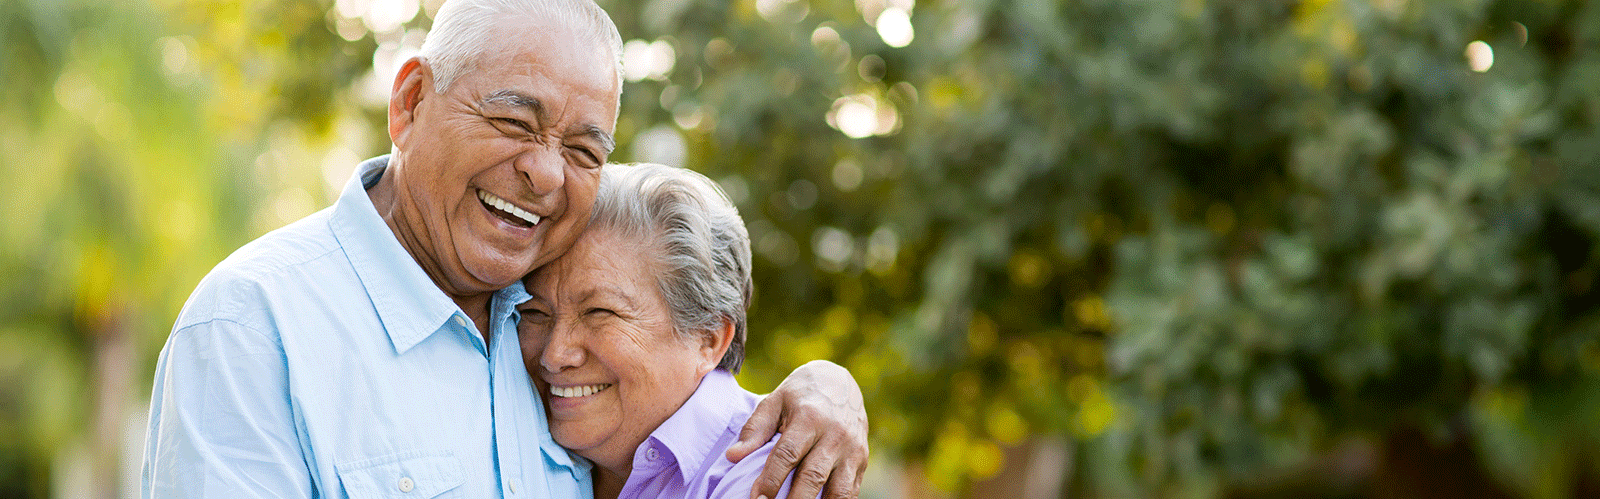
[463, 30]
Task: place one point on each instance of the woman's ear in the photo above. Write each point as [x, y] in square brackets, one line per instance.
[714, 345]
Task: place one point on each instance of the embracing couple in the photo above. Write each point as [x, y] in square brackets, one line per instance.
[492, 310]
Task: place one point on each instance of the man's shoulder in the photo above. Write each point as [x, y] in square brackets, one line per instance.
[275, 264]
[303, 240]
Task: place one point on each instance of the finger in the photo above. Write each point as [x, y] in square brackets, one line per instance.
[861, 471]
[785, 457]
[808, 482]
[763, 424]
[858, 468]
[844, 483]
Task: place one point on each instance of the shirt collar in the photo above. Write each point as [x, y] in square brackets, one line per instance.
[506, 300]
[410, 306]
[690, 434]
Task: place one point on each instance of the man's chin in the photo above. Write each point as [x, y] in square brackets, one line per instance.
[493, 274]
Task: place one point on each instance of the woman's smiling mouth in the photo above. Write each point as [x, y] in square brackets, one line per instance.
[577, 391]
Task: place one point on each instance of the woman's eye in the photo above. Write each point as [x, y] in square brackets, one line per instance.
[534, 314]
[600, 311]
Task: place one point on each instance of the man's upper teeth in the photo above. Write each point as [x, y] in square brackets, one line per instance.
[577, 391]
[508, 207]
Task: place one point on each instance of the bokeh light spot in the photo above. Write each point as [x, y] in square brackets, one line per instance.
[1480, 56]
[647, 60]
[894, 26]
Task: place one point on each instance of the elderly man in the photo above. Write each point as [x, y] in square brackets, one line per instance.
[370, 349]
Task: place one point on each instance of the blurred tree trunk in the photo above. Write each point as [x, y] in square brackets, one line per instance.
[111, 382]
[1037, 468]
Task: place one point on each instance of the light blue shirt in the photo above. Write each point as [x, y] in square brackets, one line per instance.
[321, 361]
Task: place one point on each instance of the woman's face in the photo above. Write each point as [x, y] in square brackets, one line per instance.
[598, 341]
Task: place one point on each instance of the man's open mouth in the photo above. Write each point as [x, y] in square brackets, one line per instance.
[507, 211]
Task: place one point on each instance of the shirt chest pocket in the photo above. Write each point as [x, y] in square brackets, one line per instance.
[409, 475]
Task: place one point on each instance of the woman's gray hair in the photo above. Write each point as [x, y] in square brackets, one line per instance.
[463, 31]
[697, 238]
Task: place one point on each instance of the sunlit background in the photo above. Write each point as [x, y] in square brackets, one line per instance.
[1075, 248]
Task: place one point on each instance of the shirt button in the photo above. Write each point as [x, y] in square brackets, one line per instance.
[651, 454]
[512, 485]
[460, 321]
[406, 484]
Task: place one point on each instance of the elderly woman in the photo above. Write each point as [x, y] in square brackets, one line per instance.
[634, 336]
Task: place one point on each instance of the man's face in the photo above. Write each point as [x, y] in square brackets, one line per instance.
[497, 175]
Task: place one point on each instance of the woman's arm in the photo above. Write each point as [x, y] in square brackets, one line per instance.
[819, 411]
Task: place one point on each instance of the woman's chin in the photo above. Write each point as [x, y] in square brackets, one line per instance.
[582, 443]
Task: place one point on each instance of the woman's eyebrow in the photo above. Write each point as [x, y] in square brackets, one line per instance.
[606, 291]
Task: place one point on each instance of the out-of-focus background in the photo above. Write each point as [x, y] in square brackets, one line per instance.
[1085, 248]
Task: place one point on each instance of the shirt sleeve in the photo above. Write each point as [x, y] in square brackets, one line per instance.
[741, 478]
[220, 418]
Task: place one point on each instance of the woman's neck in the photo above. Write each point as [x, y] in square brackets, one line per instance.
[608, 483]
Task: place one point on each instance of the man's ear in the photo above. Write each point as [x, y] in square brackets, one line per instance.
[414, 79]
[714, 345]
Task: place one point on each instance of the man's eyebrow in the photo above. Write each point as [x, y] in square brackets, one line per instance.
[605, 138]
[514, 98]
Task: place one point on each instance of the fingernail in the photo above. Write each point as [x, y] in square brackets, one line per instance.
[763, 496]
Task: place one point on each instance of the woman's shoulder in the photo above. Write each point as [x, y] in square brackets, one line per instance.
[733, 480]
[740, 477]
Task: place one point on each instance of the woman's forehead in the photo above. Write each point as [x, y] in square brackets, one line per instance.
[602, 262]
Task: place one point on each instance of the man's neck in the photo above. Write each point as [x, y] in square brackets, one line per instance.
[477, 309]
[384, 199]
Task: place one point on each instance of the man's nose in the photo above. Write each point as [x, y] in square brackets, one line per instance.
[544, 167]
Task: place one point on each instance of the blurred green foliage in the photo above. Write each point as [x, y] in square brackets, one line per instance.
[1216, 243]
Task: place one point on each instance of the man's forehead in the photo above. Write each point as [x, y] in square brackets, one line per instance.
[530, 56]
[545, 39]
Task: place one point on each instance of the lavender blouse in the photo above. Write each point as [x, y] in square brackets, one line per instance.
[685, 457]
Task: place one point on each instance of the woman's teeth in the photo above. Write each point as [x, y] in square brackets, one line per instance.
[577, 391]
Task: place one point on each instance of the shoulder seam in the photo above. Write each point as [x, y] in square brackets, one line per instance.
[271, 270]
[241, 324]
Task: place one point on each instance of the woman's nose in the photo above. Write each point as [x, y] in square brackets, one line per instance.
[562, 351]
